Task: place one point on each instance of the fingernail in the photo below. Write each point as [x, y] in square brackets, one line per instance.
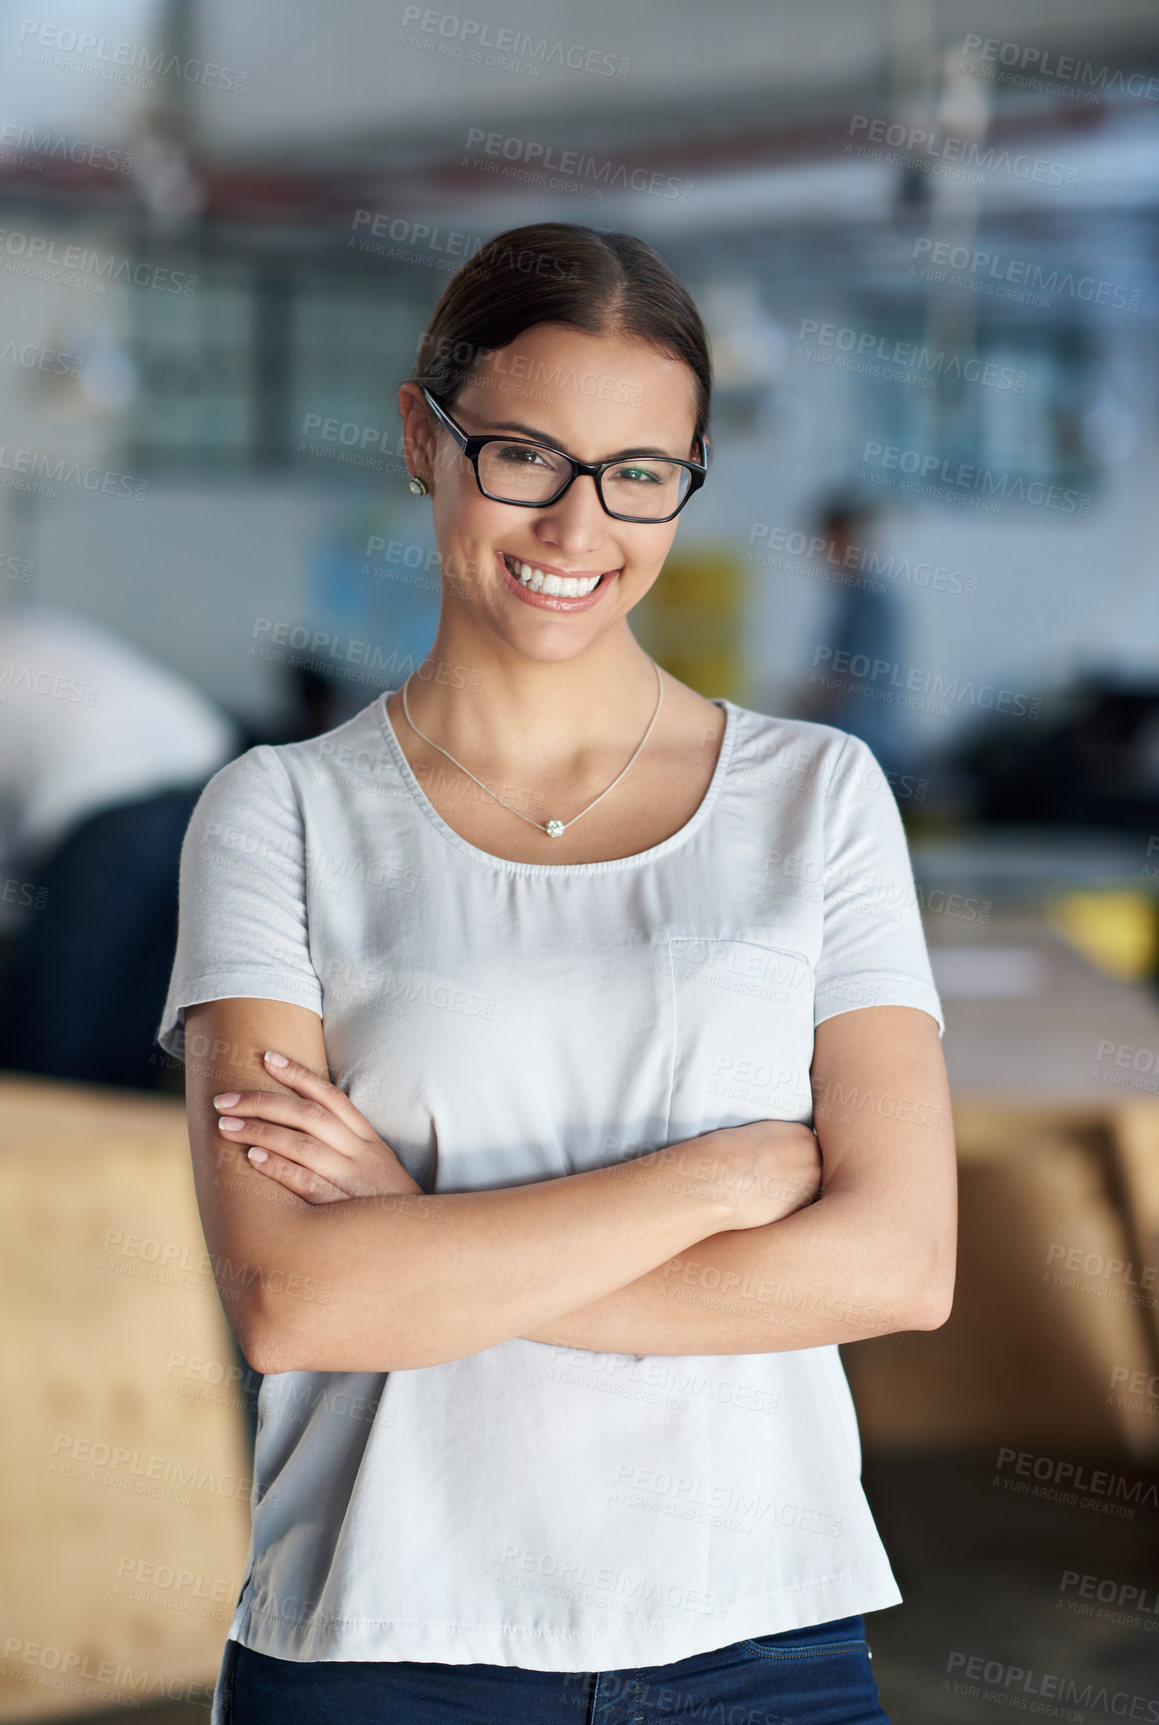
[229, 1122]
[227, 1099]
[276, 1059]
[256, 1155]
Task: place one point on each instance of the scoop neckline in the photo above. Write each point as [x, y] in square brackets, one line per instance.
[637, 859]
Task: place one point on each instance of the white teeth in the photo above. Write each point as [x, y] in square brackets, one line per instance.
[559, 586]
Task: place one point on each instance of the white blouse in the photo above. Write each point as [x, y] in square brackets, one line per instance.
[502, 1022]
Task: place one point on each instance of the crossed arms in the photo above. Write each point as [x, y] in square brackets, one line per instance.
[672, 1253]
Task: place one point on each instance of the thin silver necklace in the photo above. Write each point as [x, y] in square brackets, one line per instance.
[553, 829]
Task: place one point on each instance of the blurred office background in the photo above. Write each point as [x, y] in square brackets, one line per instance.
[924, 235]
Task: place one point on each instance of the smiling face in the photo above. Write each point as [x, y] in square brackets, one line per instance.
[549, 581]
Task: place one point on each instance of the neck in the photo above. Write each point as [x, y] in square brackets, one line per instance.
[501, 713]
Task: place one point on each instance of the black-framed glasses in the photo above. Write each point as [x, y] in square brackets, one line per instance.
[531, 475]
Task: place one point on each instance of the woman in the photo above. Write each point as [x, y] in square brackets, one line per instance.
[545, 1284]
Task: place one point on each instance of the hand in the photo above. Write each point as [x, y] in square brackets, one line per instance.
[769, 1168]
[310, 1137]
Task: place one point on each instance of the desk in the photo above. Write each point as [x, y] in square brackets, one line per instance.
[1048, 1044]
[1054, 1337]
[125, 1477]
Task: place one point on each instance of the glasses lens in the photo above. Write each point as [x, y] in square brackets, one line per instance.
[521, 472]
[646, 490]
[643, 490]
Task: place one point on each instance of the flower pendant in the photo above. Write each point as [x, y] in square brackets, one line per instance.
[554, 829]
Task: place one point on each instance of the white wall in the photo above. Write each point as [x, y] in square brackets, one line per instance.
[187, 573]
[203, 576]
[1055, 593]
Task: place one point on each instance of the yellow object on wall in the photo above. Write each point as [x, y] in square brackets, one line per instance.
[1117, 930]
[693, 620]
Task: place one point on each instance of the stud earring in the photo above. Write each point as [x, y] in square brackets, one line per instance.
[419, 487]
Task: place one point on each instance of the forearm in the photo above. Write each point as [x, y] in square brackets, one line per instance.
[829, 1272]
[874, 1255]
[414, 1281]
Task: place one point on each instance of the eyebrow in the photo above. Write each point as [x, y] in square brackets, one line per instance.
[542, 437]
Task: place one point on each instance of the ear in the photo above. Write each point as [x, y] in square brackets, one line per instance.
[418, 430]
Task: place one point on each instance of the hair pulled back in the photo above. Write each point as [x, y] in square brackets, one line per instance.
[594, 279]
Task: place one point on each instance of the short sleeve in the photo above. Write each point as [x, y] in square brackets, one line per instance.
[242, 924]
[873, 947]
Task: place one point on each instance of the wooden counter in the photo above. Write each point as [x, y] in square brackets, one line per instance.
[1053, 1343]
[125, 1477]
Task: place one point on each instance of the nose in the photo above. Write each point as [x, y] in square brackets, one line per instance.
[577, 522]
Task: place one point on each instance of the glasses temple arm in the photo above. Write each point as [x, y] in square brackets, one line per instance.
[445, 419]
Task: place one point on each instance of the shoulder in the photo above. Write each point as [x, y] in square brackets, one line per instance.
[829, 778]
[252, 782]
[355, 754]
[278, 775]
[801, 754]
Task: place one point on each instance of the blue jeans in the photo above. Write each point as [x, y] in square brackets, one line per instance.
[815, 1676]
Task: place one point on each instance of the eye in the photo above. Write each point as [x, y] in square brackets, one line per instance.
[637, 474]
[518, 454]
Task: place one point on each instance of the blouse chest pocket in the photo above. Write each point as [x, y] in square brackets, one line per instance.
[743, 1018]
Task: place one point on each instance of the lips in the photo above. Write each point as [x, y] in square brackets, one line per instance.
[554, 589]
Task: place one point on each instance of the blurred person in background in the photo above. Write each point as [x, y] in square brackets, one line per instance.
[103, 754]
[525, 909]
[861, 627]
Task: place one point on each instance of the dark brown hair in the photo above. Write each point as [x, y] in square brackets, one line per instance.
[595, 279]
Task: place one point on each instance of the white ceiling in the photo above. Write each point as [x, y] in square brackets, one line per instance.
[335, 81]
[346, 70]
